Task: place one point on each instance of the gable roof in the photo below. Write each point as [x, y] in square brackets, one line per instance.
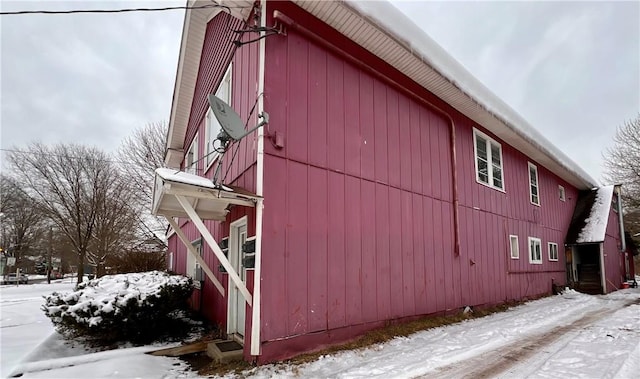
[590, 216]
[384, 31]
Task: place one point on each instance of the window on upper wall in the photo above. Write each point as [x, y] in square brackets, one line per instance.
[535, 250]
[212, 126]
[191, 157]
[553, 251]
[513, 247]
[561, 193]
[488, 160]
[534, 194]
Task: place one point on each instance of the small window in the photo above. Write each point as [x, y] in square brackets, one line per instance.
[614, 202]
[191, 158]
[553, 251]
[561, 193]
[535, 250]
[170, 261]
[514, 248]
[212, 126]
[488, 160]
[533, 184]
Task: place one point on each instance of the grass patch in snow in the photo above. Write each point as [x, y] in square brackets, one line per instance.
[395, 328]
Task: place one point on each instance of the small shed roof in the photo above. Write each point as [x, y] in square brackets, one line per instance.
[590, 217]
[209, 200]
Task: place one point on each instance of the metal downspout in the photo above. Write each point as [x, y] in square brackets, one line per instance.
[365, 67]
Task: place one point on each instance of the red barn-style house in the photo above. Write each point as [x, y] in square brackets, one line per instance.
[386, 184]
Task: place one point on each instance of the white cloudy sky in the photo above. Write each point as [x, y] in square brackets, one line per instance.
[571, 68]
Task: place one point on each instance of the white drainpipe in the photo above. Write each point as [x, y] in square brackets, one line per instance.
[621, 221]
[257, 278]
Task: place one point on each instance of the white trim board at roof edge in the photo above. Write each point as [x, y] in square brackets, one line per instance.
[383, 30]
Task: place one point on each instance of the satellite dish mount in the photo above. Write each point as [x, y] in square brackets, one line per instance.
[233, 129]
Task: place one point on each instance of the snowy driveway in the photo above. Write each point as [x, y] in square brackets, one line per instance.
[565, 336]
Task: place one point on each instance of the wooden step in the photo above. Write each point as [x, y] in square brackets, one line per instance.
[225, 351]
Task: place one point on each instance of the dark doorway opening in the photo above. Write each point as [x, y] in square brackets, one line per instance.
[587, 276]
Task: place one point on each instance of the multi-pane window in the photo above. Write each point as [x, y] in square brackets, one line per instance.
[553, 251]
[212, 126]
[534, 194]
[191, 157]
[513, 247]
[561, 193]
[535, 250]
[488, 160]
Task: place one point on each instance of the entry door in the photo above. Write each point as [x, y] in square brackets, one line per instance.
[237, 303]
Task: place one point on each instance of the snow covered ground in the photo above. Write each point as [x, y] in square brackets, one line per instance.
[566, 336]
[30, 346]
[570, 335]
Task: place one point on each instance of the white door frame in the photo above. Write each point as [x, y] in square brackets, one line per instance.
[235, 257]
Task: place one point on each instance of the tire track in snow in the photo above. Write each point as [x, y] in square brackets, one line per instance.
[492, 363]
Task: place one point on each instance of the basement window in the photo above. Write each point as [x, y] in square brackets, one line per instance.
[553, 251]
[535, 250]
[488, 162]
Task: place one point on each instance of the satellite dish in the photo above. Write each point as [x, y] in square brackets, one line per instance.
[232, 125]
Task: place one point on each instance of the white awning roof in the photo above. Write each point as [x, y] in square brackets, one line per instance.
[210, 202]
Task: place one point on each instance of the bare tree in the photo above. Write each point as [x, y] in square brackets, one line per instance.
[141, 154]
[21, 221]
[622, 162]
[116, 224]
[67, 181]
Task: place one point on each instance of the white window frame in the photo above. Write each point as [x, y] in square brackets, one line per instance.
[532, 259]
[562, 193]
[212, 126]
[171, 263]
[550, 248]
[192, 264]
[489, 142]
[533, 201]
[191, 165]
[514, 247]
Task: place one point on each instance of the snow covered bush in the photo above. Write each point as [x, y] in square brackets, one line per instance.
[136, 307]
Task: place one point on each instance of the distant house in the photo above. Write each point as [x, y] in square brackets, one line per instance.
[388, 183]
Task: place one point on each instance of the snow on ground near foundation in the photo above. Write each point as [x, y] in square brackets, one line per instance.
[607, 347]
[569, 335]
[596, 224]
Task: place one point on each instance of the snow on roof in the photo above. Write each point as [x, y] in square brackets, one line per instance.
[174, 175]
[596, 224]
[394, 22]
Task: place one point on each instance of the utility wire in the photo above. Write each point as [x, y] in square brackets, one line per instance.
[121, 10]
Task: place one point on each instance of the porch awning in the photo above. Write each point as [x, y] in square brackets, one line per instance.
[211, 202]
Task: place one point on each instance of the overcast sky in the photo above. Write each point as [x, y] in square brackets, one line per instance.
[571, 69]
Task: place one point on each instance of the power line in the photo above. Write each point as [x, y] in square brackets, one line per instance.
[121, 10]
